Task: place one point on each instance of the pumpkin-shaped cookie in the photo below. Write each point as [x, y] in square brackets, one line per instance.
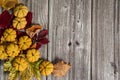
[3, 54]
[12, 50]
[9, 34]
[20, 64]
[24, 42]
[19, 23]
[33, 55]
[20, 11]
[46, 68]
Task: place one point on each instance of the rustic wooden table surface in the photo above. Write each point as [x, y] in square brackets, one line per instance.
[84, 33]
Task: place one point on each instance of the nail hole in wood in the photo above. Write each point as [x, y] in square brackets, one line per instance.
[77, 43]
[114, 66]
[69, 44]
[65, 6]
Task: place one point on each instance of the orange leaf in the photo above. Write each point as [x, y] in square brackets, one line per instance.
[61, 69]
[33, 30]
[1, 1]
[34, 45]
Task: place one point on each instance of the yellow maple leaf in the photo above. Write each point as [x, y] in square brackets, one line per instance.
[8, 4]
[1, 2]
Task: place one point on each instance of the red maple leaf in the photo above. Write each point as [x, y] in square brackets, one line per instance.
[20, 33]
[1, 32]
[29, 19]
[42, 40]
[6, 19]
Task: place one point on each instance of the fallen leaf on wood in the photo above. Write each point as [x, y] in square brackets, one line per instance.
[33, 30]
[42, 34]
[42, 42]
[41, 39]
[61, 69]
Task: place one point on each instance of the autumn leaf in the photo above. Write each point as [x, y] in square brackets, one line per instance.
[20, 33]
[1, 32]
[5, 19]
[34, 45]
[13, 75]
[29, 19]
[42, 40]
[26, 74]
[33, 30]
[42, 34]
[61, 69]
[1, 1]
[8, 4]
[7, 66]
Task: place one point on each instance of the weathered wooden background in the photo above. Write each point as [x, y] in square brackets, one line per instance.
[84, 33]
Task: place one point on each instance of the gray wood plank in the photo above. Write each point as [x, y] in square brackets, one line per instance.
[59, 32]
[82, 40]
[70, 36]
[103, 40]
[1, 71]
[116, 64]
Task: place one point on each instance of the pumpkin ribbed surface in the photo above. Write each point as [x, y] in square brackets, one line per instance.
[12, 50]
[24, 42]
[9, 34]
[19, 23]
[20, 11]
[3, 54]
[20, 64]
[33, 55]
[46, 68]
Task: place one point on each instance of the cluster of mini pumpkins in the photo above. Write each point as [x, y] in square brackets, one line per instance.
[19, 49]
[20, 12]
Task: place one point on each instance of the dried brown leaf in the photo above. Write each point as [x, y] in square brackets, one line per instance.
[34, 45]
[61, 69]
[33, 30]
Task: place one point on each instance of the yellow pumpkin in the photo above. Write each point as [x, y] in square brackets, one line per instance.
[20, 64]
[24, 42]
[12, 50]
[19, 23]
[46, 68]
[9, 34]
[3, 54]
[33, 55]
[8, 4]
[2, 40]
[20, 11]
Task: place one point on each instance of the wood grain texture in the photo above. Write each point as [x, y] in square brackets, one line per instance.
[70, 36]
[82, 40]
[59, 32]
[84, 33]
[117, 41]
[103, 40]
